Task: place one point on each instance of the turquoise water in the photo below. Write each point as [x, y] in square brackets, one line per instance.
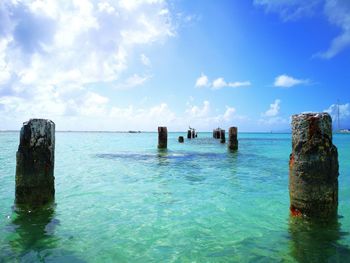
[119, 199]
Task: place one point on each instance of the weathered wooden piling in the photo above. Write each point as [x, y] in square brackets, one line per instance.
[181, 139]
[193, 133]
[232, 139]
[189, 134]
[162, 137]
[222, 136]
[313, 166]
[35, 181]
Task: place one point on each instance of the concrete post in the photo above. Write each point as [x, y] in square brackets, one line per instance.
[162, 137]
[35, 181]
[232, 138]
[222, 136]
[313, 166]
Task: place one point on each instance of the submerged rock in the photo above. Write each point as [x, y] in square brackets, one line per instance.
[313, 166]
[35, 163]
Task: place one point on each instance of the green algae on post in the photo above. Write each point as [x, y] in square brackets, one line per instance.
[313, 166]
[35, 163]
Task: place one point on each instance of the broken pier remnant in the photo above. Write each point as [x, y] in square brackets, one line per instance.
[181, 139]
[217, 133]
[35, 159]
[189, 134]
[222, 136]
[162, 137]
[232, 138]
[313, 166]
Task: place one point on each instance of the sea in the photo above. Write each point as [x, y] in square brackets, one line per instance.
[120, 199]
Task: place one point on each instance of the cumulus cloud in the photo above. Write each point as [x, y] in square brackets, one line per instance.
[274, 109]
[286, 81]
[220, 83]
[199, 112]
[344, 111]
[271, 117]
[52, 52]
[145, 60]
[336, 11]
[203, 81]
[133, 81]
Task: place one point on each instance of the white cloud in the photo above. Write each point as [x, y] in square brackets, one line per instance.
[52, 52]
[133, 81]
[344, 111]
[336, 11]
[105, 7]
[220, 83]
[229, 113]
[290, 9]
[274, 109]
[271, 118]
[286, 81]
[145, 60]
[202, 81]
[199, 112]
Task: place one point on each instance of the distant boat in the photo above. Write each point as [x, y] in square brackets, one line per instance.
[338, 122]
[134, 131]
[344, 131]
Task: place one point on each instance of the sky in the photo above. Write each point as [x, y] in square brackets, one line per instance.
[121, 65]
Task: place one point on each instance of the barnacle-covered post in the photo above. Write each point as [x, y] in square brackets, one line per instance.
[313, 166]
[232, 139]
[162, 137]
[35, 181]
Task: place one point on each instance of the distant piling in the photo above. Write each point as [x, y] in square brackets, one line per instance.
[222, 136]
[162, 137]
[232, 139]
[35, 181]
[181, 139]
[216, 133]
[193, 133]
[313, 166]
[189, 134]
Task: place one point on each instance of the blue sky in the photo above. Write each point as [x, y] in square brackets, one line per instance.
[135, 65]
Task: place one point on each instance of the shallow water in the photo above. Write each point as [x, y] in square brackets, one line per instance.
[119, 199]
